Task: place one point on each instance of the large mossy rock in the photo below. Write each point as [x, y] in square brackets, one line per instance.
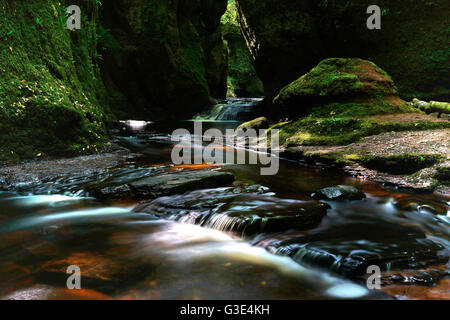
[287, 38]
[171, 54]
[242, 78]
[354, 82]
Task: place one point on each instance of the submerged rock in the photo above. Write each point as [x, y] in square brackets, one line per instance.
[350, 248]
[237, 210]
[339, 193]
[421, 206]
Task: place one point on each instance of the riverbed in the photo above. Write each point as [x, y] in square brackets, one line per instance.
[124, 253]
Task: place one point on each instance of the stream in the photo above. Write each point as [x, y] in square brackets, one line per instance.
[173, 248]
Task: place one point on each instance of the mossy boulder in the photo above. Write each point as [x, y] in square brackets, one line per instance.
[157, 184]
[345, 81]
[171, 53]
[289, 37]
[258, 123]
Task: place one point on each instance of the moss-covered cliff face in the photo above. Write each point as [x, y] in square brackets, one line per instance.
[52, 99]
[171, 54]
[155, 59]
[288, 38]
[242, 78]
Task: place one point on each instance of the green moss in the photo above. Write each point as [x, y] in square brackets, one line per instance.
[340, 131]
[242, 78]
[442, 175]
[335, 159]
[400, 163]
[52, 98]
[360, 108]
[336, 78]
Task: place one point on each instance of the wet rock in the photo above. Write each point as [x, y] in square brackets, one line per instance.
[181, 182]
[350, 248]
[419, 292]
[413, 204]
[339, 193]
[124, 183]
[428, 277]
[243, 213]
[159, 184]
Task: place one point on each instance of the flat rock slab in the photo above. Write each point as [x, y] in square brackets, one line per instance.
[123, 183]
[159, 184]
[238, 211]
[180, 182]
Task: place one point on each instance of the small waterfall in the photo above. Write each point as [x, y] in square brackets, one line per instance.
[232, 109]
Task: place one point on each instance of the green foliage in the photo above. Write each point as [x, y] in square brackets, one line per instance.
[442, 175]
[52, 99]
[338, 78]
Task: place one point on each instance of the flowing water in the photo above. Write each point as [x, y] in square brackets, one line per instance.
[231, 109]
[167, 253]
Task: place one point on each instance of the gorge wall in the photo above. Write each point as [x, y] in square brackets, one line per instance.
[59, 89]
[288, 38]
[169, 54]
[52, 98]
